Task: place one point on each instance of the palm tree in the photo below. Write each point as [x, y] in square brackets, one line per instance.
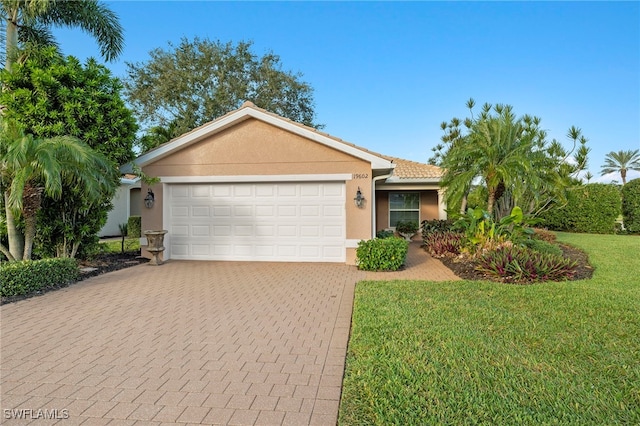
[622, 162]
[32, 167]
[29, 22]
[496, 149]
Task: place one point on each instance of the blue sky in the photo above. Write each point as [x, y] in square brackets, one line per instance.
[386, 74]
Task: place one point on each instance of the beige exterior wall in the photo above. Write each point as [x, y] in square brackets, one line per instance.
[253, 147]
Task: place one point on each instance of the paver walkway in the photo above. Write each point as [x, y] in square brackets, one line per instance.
[186, 342]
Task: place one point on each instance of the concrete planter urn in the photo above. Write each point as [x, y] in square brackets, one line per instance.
[155, 245]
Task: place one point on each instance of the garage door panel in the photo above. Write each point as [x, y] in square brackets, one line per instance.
[221, 211]
[200, 211]
[179, 191]
[200, 191]
[200, 231]
[270, 221]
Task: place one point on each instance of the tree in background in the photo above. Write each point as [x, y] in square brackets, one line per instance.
[621, 162]
[52, 96]
[509, 156]
[190, 84]
[28, 23]
[32, 167]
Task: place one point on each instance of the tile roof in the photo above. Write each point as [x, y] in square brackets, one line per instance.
[407, 169]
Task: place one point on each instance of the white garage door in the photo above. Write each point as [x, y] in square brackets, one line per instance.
[265, 221]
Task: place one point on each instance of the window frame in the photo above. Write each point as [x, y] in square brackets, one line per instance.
[403, 210]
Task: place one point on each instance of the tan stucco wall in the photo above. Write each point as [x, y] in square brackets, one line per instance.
[253, 147]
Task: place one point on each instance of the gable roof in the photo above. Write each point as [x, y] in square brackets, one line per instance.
[247, 111]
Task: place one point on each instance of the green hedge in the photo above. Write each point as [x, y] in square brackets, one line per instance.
[631, 206]
[386, 254]
[30, 276]
[134, 227]
[592, 208]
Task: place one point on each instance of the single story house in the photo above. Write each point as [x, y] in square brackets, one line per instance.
[126, 202]
[254, 186]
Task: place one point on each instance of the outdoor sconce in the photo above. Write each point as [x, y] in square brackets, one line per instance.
[359, 200]
[149, 199]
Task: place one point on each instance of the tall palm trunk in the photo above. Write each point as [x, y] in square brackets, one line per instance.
[31, 201]
[11, 39]
[16, 239]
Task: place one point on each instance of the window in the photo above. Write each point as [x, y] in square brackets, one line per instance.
[404, 206]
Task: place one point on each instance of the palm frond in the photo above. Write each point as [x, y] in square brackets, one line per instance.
[92, 17]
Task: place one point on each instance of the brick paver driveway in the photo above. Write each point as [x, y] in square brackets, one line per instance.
[186, 342]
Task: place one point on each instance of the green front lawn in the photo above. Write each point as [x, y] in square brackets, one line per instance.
[115, 246]
[479, 352]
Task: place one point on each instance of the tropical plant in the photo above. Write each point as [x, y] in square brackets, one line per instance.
[444, 243]
[189, 84]
[509, 156]
[517, 264]
[51, 96]
[482, 233]
[29, 22]
[31, 167]
[621, 162]
[435, 225]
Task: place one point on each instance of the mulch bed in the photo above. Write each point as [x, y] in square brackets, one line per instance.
[465, 269]
[110, 262]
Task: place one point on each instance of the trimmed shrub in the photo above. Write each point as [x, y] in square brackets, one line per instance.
[631, 206]
[386, 254]
[447, 243]
[385, 233]
[592, 208]
[134, 226]
[30, 276]
[517, 264]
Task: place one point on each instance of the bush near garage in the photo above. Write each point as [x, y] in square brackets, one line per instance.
[134, 227]
[381, 254]
[631, 206]
[32, 276]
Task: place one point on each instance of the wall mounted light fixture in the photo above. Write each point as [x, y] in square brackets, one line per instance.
[149, 199]
[359, 199]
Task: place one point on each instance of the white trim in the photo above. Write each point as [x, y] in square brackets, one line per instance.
[143, 241]
[351, 243]
[250, 112]
[258, 178]
[442, 205]
[166, 210]
[424, 180]
[408, 187]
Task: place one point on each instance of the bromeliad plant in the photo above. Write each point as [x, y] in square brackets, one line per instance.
[517, 264]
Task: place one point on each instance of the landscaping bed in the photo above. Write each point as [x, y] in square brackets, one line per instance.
[466, 269]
